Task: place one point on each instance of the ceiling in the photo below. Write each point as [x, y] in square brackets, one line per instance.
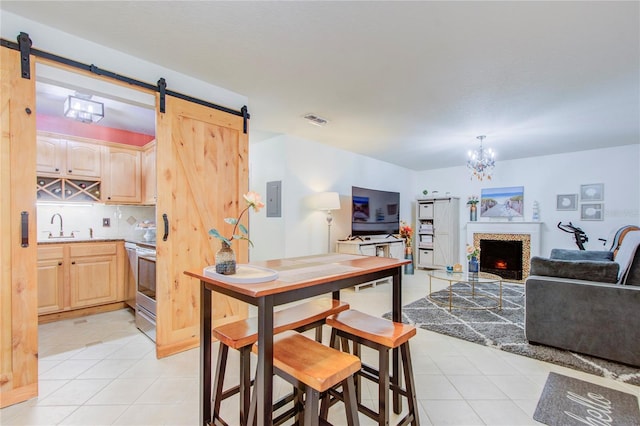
[410, 83]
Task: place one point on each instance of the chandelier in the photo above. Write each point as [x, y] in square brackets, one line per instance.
[481, 162]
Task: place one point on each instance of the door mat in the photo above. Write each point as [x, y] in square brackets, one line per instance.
[502, 329]
[566, 401]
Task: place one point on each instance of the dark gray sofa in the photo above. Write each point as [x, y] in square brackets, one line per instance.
[566, 308]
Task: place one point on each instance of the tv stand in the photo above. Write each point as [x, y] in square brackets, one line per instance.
[375, 246]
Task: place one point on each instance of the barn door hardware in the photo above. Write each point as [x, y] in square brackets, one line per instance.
[24, 44]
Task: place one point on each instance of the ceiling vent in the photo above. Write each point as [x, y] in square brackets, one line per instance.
[315, 120]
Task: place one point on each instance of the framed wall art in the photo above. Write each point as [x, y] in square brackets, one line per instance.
[592, 192]
[592, 211]
[567, 202]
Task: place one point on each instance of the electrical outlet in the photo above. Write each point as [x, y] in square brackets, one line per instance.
[106, 222]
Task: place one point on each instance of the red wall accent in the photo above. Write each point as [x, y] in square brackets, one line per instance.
[47, 123]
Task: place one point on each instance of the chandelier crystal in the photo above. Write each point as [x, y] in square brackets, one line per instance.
[481, 162]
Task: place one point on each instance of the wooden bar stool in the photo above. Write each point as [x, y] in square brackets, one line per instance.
[382, 335]
[241, 335]
[313, 368]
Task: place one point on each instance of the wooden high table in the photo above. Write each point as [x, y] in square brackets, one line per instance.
[299, 278]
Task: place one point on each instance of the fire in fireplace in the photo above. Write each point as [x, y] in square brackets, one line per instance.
[502, 258]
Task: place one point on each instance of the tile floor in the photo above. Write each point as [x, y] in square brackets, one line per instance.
[100, 370]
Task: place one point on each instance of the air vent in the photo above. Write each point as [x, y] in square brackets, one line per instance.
[315, 120]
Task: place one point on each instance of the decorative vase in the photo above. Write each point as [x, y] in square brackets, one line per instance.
[474, 265]
[408, 268]
[473, 213]
[225, 260]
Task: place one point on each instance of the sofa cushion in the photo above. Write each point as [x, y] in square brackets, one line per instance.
[589, 270]
[565, 254]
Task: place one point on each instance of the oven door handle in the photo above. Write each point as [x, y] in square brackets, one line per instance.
[165, 219]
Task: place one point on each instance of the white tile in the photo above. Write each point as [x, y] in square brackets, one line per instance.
[94, 415]
[501, 413]
[68, 369]
[107, 369]
[450, 413]
[517, 387]
[121, 391]
[75, 392]
[435, 387]
[476, 387]
[37, 415]
[170, 391]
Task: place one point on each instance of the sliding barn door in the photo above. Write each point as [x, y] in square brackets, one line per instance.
[202, 158]
[18, 268]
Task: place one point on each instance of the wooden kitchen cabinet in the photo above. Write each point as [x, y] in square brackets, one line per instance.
[121, 182]
[72, 276]
[50, 279]
[67, 157]
[149, 191]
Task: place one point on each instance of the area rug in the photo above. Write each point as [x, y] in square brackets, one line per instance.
[502, 329]
[566, 401]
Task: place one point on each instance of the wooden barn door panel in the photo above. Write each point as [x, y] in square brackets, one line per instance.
[202, 157]
[18, 263]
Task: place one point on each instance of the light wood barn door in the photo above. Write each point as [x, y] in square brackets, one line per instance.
[202, 159]
[18, 262]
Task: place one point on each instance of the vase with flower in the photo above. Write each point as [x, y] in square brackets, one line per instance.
[472, 256]
[226, 257]
[473, 208]
[406, 233]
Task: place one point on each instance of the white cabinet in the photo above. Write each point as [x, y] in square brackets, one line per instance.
[437, 232]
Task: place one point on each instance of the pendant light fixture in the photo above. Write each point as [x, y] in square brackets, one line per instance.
[481, 162]
[82, 108]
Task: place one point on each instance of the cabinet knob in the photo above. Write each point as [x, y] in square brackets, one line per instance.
[57, 169]
[73, 263]
[70, 171]
[59, 263]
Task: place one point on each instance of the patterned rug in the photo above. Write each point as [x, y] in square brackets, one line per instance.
[503, 329]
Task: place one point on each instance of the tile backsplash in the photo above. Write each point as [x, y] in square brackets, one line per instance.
[79, 218]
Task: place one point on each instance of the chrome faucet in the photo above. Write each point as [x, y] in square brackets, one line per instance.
[53, 217]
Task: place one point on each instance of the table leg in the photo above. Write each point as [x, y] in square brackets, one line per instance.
[264, 370]
[397, 317]
[205, 354]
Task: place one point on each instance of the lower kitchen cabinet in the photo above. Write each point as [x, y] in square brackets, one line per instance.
[79, 275]
[50, 279]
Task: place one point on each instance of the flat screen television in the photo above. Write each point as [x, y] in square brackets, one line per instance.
[374, 212]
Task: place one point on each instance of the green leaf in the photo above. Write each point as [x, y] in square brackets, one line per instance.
[243, 229]
[231, 220]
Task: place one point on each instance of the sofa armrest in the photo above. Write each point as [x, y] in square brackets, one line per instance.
[565, 254]
[590, 270]
[582, 316]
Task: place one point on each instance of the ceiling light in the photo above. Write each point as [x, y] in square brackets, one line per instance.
[316, 120]
[481, 162]
[82, 108]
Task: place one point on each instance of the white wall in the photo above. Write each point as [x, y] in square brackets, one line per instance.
[545, 177]
[305, 168]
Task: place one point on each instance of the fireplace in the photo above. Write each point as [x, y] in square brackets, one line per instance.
[502, 258]
[526, 233]
[505, 255]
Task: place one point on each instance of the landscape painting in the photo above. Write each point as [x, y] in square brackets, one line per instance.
[502, 202]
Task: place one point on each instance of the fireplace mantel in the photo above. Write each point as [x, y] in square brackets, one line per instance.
[533, 229]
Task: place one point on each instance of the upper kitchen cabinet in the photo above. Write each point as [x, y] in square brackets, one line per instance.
[66, 157]
[149, 180]
[121, 182]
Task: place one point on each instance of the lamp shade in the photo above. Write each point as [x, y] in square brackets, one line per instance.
[327, 201]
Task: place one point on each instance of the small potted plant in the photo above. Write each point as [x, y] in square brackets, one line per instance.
[473, 210]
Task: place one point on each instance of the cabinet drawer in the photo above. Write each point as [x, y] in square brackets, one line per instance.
[425, 211]
[48, 253]
[425, 257]
[77, 250]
